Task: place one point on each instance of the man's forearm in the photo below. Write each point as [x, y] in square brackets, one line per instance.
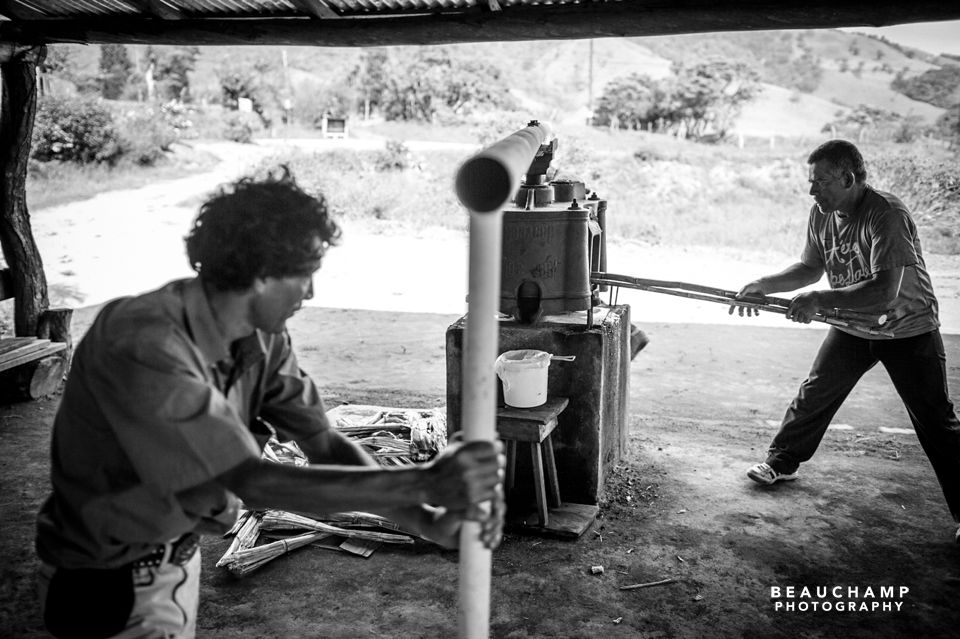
[790, 279]
[328, 489]
[879, 290]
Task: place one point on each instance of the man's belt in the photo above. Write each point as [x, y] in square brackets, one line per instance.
[178, 552]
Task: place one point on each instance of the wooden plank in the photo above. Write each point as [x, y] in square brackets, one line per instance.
[12, 360]
[524, 430]
[539, 22]
[12, 343]
[544, 413]
[568, 521]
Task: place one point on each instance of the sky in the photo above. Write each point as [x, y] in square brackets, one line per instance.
[932, 37]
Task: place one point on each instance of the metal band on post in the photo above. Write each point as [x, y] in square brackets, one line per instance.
[484, 184]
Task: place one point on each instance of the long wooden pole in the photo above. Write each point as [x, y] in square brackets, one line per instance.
[854, 320]
[484, 184]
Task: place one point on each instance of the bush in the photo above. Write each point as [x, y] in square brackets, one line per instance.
[144, 137]
[931, 188]
[395, 157]
[238, 127]
[78, 130]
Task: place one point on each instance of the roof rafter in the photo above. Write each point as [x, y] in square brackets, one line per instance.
[316, 8]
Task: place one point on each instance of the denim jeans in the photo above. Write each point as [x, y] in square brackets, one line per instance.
[917, 368]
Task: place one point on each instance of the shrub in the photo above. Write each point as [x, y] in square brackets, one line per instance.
[238, 127]
[931, 188]
[395, 157]
[74, 130]
[144, 136]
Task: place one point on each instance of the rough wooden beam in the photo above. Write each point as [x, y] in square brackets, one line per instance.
[543, 22]
[17, 108]
[316, 8]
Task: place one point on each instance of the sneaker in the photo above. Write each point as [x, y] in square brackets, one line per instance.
[764, 474]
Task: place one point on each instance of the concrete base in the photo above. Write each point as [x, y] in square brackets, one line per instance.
[591, 434]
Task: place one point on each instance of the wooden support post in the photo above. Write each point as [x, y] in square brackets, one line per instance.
[25, 280]
[18, 105]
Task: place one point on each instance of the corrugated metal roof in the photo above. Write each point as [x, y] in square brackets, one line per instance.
[192, 9]
[384, 22]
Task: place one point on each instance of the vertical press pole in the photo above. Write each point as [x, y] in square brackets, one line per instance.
[484, 184]
[479, 406]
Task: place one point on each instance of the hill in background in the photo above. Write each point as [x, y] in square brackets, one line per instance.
[809, 77]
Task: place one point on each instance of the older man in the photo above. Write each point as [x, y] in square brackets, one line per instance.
[172, 395]
[866, 243]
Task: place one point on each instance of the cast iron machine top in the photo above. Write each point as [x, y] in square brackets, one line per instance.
[552, 239]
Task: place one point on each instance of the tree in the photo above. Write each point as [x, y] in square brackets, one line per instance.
[254, 79]
[710, 95]
[115, 69]
[939, 87]
[629, 102]
[65, 61]
[58, 60]
[948, 126]
[698, 101]
[428, 82]
[369, 79]
[171, 67]
[871, 122]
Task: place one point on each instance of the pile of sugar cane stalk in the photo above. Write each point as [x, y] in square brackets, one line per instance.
[395, 437]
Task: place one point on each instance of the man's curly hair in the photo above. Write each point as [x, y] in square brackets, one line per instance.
[259, 228]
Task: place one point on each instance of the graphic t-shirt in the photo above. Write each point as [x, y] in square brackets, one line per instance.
[879, 235]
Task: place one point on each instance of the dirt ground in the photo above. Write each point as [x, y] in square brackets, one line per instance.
[704, 402]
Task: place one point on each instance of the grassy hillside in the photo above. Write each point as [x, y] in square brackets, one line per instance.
[822, 72]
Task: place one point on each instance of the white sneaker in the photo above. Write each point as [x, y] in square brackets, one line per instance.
[763, 473]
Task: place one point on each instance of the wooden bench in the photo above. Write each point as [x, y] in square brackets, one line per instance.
[15, 351]
[34, 366]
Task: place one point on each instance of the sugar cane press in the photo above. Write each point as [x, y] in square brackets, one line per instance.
[553, 238]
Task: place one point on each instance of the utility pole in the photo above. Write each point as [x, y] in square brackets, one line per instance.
[590, 82]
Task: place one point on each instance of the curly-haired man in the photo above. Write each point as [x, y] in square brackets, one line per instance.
[172, 395]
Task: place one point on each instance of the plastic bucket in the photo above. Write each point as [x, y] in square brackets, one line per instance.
[524, 377]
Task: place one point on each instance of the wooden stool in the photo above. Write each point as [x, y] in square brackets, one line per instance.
[534, 426]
